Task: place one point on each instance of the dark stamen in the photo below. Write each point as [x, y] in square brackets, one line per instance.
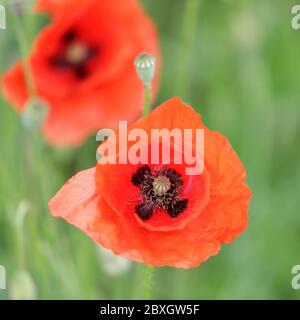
[160, 190]
[75, 55]
[144, 210]
[81, 71]
[69, 36]
[176, 207]
[138, 178]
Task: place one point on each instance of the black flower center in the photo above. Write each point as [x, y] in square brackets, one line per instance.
[160, 189]
[75, 55]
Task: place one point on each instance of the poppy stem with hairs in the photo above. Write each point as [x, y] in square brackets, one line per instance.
[147, 102]
[23, 47]
[145, 68]
[35, 108]
[148, 282]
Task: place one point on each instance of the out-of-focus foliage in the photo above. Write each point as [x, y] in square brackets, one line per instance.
[238, 63]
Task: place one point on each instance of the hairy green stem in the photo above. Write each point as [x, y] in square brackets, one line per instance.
[24, 49]
[148, 282]
[147, 102]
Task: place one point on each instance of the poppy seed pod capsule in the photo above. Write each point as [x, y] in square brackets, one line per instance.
[35, 113]
[145, 67]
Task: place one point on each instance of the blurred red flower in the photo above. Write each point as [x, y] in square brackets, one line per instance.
[82, 64]
[156, 214]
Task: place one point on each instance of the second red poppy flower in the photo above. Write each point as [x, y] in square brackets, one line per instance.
[82, 64]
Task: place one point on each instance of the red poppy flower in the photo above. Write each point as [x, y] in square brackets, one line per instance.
[82, 64]
[157, 214]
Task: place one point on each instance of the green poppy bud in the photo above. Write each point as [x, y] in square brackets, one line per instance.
[145, 67]
[35, 113]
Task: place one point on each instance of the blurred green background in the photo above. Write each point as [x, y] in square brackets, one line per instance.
[237, 62]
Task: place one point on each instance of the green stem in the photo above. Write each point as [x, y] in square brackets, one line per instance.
[24, 49]
[19, 226]
[147, 102]
[189, 28]
[148, 281]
